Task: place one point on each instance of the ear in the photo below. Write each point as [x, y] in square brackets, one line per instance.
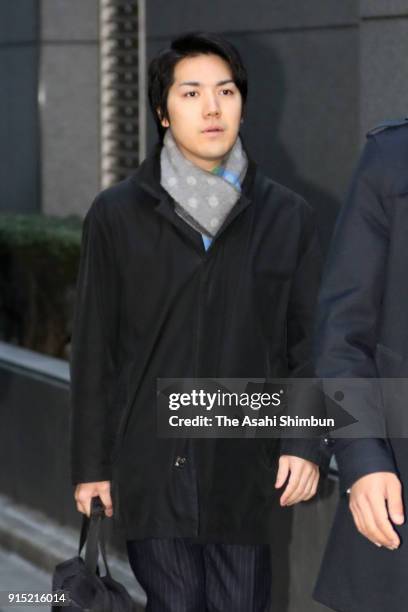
[165, 122]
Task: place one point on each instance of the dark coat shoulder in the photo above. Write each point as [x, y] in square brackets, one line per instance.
[385, 159]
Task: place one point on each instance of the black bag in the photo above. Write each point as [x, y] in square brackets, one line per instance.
[87, 590]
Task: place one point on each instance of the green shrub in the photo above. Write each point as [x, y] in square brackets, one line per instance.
[39, 258]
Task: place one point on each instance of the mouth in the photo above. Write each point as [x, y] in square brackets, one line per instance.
[213, 130]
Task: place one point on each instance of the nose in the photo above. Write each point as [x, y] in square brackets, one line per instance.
[212, 105]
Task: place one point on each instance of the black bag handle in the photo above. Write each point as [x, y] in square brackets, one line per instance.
[97, 509]
[92, 532]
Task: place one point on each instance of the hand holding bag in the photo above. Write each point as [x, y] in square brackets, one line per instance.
[88, 591]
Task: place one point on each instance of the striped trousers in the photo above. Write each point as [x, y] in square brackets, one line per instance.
[179, 575]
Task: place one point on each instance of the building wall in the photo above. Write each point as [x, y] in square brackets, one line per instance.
[69, 108]
[321, 73]
[49, 105]
[19, 134]
[384, 63]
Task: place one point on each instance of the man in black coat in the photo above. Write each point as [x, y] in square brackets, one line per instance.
[363, 334]
[195, 266]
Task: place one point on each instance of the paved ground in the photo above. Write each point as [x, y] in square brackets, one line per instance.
[19, 575]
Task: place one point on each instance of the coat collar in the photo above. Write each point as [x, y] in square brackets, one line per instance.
[147, 177]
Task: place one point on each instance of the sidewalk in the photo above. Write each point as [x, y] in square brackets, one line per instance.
[16, 574]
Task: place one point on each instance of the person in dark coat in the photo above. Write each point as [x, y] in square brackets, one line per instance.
[196, 266]
[363, 334]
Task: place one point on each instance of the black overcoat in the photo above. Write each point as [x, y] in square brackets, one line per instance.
[152, 303]
[363, 332]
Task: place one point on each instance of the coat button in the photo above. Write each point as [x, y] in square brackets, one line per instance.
[180, 461]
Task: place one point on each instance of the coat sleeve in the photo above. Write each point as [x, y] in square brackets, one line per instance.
[300, 326]
[350, 305]
[93, 364]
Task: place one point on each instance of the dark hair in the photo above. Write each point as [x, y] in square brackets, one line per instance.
[161, 68]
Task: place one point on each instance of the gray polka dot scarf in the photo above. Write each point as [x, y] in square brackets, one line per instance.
[203, 199]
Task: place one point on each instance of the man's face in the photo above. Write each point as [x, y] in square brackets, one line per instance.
[204, 108]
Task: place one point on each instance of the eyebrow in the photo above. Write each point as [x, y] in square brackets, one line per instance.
[198, 84]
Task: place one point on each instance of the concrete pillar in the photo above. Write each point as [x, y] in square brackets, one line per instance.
[69, 105]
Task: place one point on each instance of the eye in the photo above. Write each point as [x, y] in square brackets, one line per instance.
[227, 92]
[190, 94]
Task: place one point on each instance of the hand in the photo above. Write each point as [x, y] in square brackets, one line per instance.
[376, 503]
[86, 490]
[303, 480]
